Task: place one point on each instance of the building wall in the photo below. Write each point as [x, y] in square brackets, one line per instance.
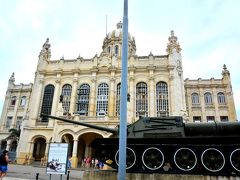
[106, 68]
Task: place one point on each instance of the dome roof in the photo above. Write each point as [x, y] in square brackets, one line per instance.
[114, 38]
[117, 33]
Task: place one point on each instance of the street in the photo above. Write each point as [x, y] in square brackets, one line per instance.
[26, 172]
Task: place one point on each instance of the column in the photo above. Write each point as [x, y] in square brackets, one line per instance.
[87, 150]
[151, 98]
[74, 158]
[111, 98]
[92, 102]
[73, 96]
[46, 149]
[36, 99]
[30, 154]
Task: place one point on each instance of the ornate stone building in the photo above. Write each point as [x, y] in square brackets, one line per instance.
[88, 90]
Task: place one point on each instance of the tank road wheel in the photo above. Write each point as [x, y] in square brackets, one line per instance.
[152, 158]
[130, 158]
[213, 160]
[185, 159]
[235, 159]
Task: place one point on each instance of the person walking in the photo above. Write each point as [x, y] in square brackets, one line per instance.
[3, 164]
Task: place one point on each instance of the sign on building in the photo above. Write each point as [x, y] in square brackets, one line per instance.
[57, 158]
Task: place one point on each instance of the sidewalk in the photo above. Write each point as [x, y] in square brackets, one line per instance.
[13, 178]
[28, 172]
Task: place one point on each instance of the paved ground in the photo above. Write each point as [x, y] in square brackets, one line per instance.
[25, 172]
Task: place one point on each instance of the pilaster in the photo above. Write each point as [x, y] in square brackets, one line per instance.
[151, 97]
[92, 101]
[73, 96]
[111, 97]
[202, 101]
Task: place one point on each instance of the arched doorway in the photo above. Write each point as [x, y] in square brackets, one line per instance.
[39, 148]
[84, 149]
[3, 144]
[68, 138]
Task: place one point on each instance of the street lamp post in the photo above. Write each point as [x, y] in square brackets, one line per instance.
[123, 100]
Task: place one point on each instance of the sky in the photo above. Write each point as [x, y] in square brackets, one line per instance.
[207, 30]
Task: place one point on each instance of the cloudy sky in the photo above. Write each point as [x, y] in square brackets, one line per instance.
[208, 32]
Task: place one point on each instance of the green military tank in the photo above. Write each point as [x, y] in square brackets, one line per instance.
[168, 145]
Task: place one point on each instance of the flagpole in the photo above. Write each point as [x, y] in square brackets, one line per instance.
[123, 100]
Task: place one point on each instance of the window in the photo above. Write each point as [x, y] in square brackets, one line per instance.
[210, 119]
[221, 98]
[116, 50]
[141, 99]
[109, 49]
[195, 98]
[196, 118]
[9, 122]
[208, 98]
[223, 118]
[102, 100]
[19, 122]
[23, 101]
[118, 99]
[47, 101]
[162, 99]
[13, 101]
[83, 99]
[66, 94]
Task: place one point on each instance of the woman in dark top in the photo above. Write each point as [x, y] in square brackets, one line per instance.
[3, 164]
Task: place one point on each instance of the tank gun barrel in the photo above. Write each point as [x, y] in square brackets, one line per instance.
[114, 131]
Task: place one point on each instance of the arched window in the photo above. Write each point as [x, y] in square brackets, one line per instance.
[102, 100]
[23, 101]
[66, 94]
[13, 101]
[109, 49]
[118, 99]
[162, 99]
[47, 101]
[208, 98]
[83, 99]
[116, 50]
[141, 99]
[195, 98]
[221, 98]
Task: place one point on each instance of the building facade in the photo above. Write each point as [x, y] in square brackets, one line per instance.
[88, 90]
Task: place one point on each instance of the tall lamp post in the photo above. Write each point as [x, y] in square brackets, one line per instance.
[123, 100]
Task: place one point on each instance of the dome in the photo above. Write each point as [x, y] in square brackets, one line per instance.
[117, 33]
[114, 38]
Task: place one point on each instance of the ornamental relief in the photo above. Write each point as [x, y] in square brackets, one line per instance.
[104, 62]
